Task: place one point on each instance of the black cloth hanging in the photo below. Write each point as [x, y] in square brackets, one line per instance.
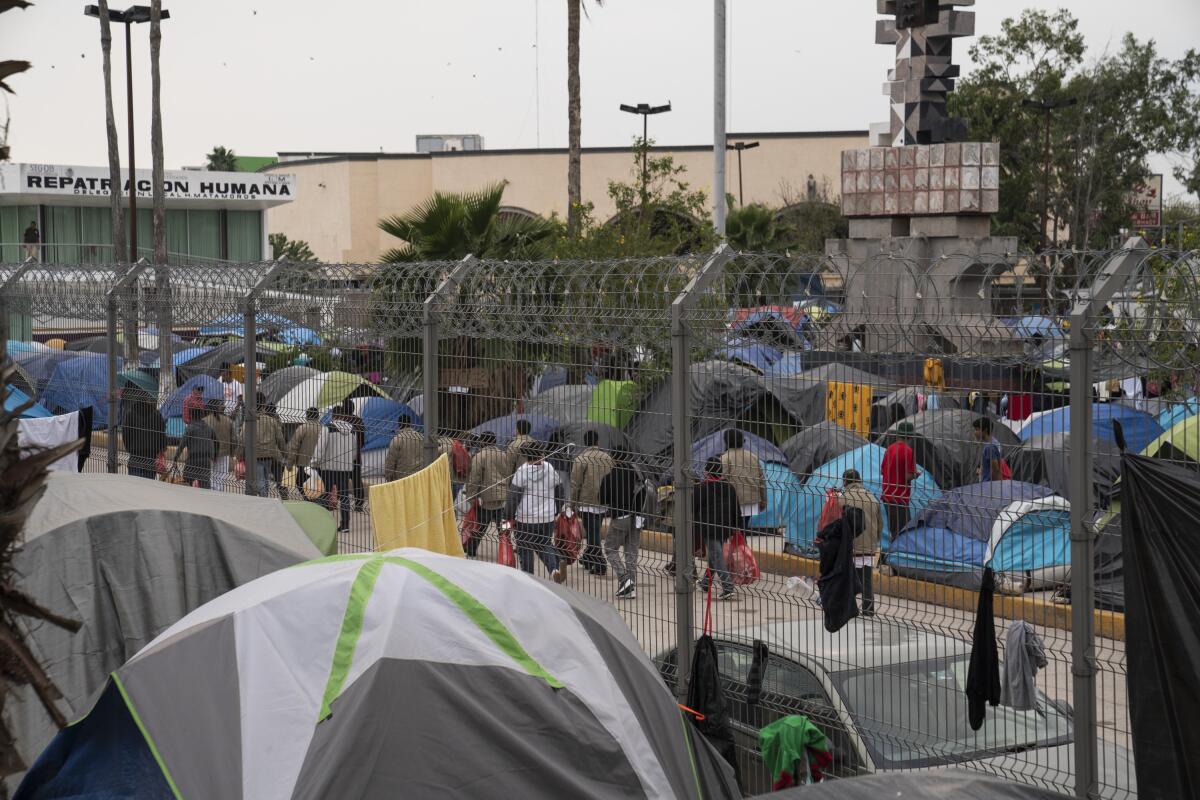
[983, 674]
[706, 696]
[758, 669]
[85, 433]
[839, 581]
[1160, 518]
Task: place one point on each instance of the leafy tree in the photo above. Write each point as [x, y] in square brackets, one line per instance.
[296, 250]
[755, 229]
[221, 159]
[450, 226]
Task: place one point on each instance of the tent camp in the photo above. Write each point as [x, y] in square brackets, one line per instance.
[868, 460]
[282, 381]
[944, 444]
[322, 392]
[1178, 412]
[1047, 460]
[1019, 529]
[567, 403]
[398, 674]
[906, 402]
[182, 356]
[571, 436]
[785, 499]
[127, 558]
[789, 363]
[818, 445]
[39, 365]
[1181, 442]
[714, 445]
[806, 394]
[79, 383]
[1139, 427]
[505, 427]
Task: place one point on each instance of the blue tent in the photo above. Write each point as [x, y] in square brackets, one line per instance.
[1028, 327]
[785, 498]
[750, 353]
[1021, 530]
[78, 383]
[1139, 427]
[714, 445]
[16, 398]
[868, 460]
[790, 363]
[505, 427]
[381, 418]
[26, 347]
[284, 329]
[1178, 412]
[182, 357]
[40, 365]
[213, 390]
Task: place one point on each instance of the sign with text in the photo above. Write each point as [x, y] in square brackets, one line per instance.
[55, 180]
[1146, 203]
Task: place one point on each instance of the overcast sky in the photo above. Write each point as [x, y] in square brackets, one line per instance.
[261, 76]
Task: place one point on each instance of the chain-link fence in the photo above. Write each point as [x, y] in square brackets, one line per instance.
[963, 416]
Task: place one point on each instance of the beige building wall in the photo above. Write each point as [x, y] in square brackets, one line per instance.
[340, 198]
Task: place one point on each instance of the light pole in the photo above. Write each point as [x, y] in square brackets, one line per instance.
[128, 17]
[1046, 107]
[645, 109]
[740, 146]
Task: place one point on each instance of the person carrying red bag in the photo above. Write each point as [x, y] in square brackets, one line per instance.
[716, 514]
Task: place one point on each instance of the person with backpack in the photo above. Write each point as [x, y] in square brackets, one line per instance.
[621, 493]
[200, 444]
[716, 514]
[588, 471]
[533, 503]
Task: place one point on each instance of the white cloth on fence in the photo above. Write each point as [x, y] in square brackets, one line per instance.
[48, 432]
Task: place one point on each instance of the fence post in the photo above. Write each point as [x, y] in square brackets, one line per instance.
[430, 337]
[1083, 588]
[250, 384]
[28, 264]
[682, 456]
[112, 298]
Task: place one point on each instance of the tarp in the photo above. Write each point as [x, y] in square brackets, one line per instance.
[753, 354]
[1182, 440]
[78, 383]
[906, 402]
[213, 390]
[1047, 460]
[39, 365]
[127, 558]
[567, 403]
[1028, 327]
[789, 363]
[944, 443]
[818, 445]
[785, 499]
[1160, 505]
[1139, 427]
[22, 380]
[282, 381]
[868, 460]
[148, 356]
[613, 403]
[323, 392]
[938, 785]
[505, 427]
[804, 395]
[226, 353]
[395, 674]
[15, 398]
[183, 356]
[140, 379]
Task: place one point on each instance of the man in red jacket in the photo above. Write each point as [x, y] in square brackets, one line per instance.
[899, 470]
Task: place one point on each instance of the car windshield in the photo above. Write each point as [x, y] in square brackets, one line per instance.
[915, 715]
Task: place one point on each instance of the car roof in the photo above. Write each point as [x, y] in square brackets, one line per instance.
[862, 643]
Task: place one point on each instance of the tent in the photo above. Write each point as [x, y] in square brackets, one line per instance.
[184, 356]
[1023, 531]
[148, 357]
[213, 390]
[13, 347]
[1181, 441]
[1139, 427]
[868, 460]
[565, 403]
[282, 381]
[1047, 460]
[147, 339]
[817, 445]
[785, 499]
[398, 674]
[906, 402]
[39, 366]
[714, 445]
[505, 427]
[78, 383]
[944, 444]
[21, 379]
[14, 398]
[789, 363]
[1178, 412]
[323, 392]
[945, 784]
[132, 376]
[613, 403]
[804, 394]
[127, 558]
[381, 418]
[227, 353]
[1031, 326]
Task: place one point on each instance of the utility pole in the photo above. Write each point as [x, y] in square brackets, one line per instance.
[1046, 107]
[719, 117]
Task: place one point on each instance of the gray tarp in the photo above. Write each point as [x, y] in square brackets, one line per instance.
[945, 446]
[228, 353]
[1047, 460]
[282, 381]
[942, 785]
[804, 395]
[567, 404]
[818, 445]
[128, 557]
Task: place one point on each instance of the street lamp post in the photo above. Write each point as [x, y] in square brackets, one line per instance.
[1046, 107]
[128, 17]
[739, 147]
[645, 109]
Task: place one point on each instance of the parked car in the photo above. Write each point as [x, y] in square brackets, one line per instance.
[891, 697]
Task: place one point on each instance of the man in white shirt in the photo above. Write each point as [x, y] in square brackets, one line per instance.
[533, 504]
[233, 389]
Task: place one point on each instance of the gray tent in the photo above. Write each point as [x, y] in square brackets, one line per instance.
[567, 404]
[228, 353]
[128, 557]
[804, 395]
[941, 785]
[818, 445]
[282, 381]
[906, 402]
[1047, 460]
[945, 447]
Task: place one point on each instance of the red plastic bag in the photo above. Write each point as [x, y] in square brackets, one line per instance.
[568, 538]
[467, 528]
[831, 511]
[739, 560]
[505, 555]
[460, 459]
[239, 470]
[1005, 470]
[160, 463]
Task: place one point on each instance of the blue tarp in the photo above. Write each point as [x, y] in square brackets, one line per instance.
[381, 417]
[790, 363]
[714, 445]
[16, 398]
[78, 383]
[868, 460]
[41, 365]
[784, 496]
[750, 353]
[276, 325]
[1177, 413]
[1027, 327]
[26, 347]
[182, 357]
[213, 390]
[1139, 427]
[505, 427]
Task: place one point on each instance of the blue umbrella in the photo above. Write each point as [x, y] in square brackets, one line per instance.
[79, 383]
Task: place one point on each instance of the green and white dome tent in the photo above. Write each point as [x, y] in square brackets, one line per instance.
[397, 674]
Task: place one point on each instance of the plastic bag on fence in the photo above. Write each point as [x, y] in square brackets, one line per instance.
[466, 528]
[461, 504]
[505, 556]
[831, 511]
[568, 538]
[740, 561]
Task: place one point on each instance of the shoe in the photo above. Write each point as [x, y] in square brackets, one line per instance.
[630, 595]
[727, 594]
[558, 576]
[624, 587]
[702, 586]
[342, 530]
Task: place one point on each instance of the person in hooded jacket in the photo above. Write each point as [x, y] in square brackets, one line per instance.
[866, 527]
[143, 431]
[716, 514]
[533, 503]
[334, 458]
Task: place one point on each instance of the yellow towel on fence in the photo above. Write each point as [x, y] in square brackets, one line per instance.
[849, 405]
[417, 511]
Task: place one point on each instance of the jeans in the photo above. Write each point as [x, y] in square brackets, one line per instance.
[716, 563]
[623, 532]
[593, 555]
[263, 477]
[535, 537]
[341, 482]
[897, 517]
[868, 590]
[483, 518]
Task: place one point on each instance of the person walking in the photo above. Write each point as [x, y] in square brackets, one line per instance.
[517, 446]
[619, 496]
[403, 456]
[269, 447]
[866, 526]
[716, 513]
[32, 239]
[533, 504]
[302, 445]
[222, 428]
[200, 444]
[588, 471]
[898, 470]
[143, 431]
[741, 468]
[487, 485]
[333, 456]
[193, 404]
[231, 388]
[990, 461]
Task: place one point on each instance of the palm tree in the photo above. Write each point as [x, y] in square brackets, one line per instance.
[162, 288]
[221, 159]
[7, 70]
[22, 482]
[450, 226]
[574, 120]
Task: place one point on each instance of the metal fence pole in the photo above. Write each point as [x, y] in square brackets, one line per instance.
[682, 456]
[112, 299]
[1083, 588]
[250, 384]
[4, 294]
[429, 354]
